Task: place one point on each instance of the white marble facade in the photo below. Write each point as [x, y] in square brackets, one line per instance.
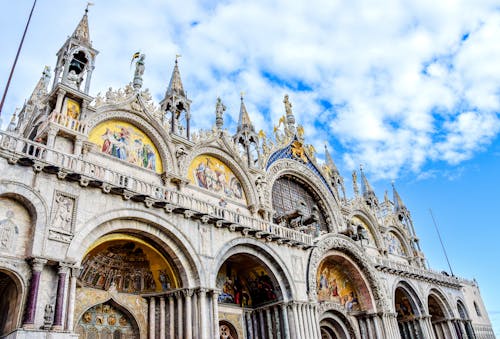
[236, 235]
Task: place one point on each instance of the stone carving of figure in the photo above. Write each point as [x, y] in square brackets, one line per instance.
[355, 183]
[48, 316]
[63, 214]
[73, 79]
[219, 111]
[288, 106]
[139, 71]
[8, 233]
[46, 76]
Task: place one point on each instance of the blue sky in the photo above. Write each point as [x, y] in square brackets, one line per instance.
[409, 89]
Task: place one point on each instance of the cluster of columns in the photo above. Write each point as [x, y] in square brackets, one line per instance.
[183, 313]
[443, 329]
[464, 329]
[64, 296]
[283, 320]
[370, 326]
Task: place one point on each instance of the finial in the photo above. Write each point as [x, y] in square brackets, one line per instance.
[242, 94]
[88, 5]
[177, 56]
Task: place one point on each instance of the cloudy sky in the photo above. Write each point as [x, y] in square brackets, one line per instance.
[409, 89]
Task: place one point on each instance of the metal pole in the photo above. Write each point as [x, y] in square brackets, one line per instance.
[15, 60]
[441, 241]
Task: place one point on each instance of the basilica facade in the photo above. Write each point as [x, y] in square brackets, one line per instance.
[119, 221]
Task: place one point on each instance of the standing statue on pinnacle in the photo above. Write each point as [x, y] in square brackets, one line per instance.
[139, 71]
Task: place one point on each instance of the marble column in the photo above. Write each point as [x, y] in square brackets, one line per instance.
[37, 265]
[196, 315]
[61, 287]
[255, 325]
[308, 316]
[277, 321]
[316, 321]
[301, 321]
[249, 325]
[171, 316]
[262, 324]
[215, 324]
[180, 315]
[269, 323]
[162, 317]
[295, 313]
[152, 311]
[202, 300]
[188, 314]
[286, 327]
[59, 101]
[71, 298]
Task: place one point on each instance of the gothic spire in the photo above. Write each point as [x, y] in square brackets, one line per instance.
[398, 203]
[175, 86]
[81, 32]
[329, 161]
[365, 185]
[244, 119]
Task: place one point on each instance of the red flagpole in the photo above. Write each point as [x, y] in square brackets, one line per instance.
[15, 60]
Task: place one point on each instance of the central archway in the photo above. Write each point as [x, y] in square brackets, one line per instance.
[334, 325]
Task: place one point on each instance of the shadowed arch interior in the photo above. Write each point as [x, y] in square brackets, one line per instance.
[10, 302]
[408, 312]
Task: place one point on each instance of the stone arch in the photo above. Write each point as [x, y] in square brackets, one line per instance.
[293, 168]
[371, 222]
[121, 304]
[345, 245]
[227, 330]
[169, 162]
[440, 313]
[12, 290]
[409, 308]
[402, 239]
[233, 165]
[267, 256]
[464, 327]
[37, 208]
[148, 225]
[334, 324]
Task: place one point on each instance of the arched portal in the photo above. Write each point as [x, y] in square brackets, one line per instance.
[439, 316]
[334, 325]
[464, 327]
[10, 302]
[250, 290]
[408, 312]
[107, 321]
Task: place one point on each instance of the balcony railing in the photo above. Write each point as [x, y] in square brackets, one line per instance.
[27, 152]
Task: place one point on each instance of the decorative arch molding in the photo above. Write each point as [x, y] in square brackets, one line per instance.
[371, 222]
[161, 231]
[284, 167]
[338, 315]
[459, 302]
[165, 150]
[412, 291]
[345, 245]
[403, 239]
[437, 293]
[134, 306]
[262, 252]
[228, 160]
[36, 206]
[19, 275]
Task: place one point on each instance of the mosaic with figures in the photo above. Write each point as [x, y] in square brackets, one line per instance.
[131, 267]
[105, 321]
[212, 174]
[124, 141]
[245, 283]
[335, 284]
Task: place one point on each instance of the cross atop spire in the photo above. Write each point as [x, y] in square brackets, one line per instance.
[81, 32]
[175, 86]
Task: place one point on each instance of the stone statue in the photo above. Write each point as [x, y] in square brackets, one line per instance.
[219, 111]
[288, 106]
[139, 71]
[48, 316]
[355, 183]
[63, 213]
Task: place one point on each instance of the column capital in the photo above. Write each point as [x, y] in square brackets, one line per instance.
[188, 292]
[37, 264]
[61, 92]
[64, 268]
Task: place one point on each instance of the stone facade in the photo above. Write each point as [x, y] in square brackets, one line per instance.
[117, 221]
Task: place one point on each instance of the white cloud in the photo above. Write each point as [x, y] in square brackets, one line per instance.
[394, 83]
